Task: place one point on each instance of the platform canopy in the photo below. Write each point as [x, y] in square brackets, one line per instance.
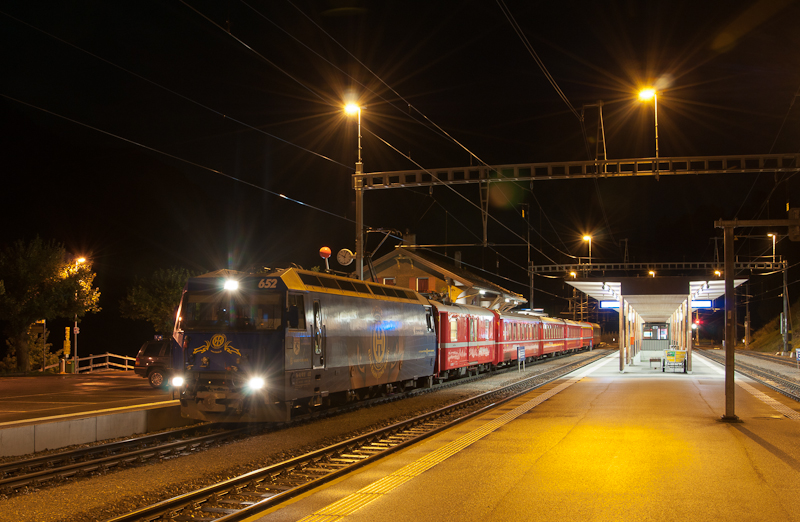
[655, 299]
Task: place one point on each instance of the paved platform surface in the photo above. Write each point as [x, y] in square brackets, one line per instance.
[642, 445]
[27, 398]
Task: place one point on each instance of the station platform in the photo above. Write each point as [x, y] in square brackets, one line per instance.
[598, 445]
[53, 411]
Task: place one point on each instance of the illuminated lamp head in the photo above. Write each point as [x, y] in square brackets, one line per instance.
[231, 284]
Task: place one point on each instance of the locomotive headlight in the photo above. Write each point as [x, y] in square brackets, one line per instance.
[256, 383]
[177, 381]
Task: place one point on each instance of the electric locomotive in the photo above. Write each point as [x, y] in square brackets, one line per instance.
[256, 346]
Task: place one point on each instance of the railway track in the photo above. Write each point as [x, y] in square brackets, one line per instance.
[248, 494]
[769, 357]
[766, 377]
[42, 470]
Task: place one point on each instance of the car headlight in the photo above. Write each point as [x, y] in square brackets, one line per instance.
[177, 381]
[256, 383]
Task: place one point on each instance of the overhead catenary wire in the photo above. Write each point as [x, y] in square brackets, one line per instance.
[784, 177]
[521, 34]
[536, 58]
[172, 91]
[178, 158]
[435, 126]
[173, 156]
[153, 149]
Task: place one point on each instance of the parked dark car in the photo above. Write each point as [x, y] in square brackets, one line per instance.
[154, 362]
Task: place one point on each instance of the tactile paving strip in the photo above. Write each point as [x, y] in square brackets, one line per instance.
[348, 505]
[763, 397]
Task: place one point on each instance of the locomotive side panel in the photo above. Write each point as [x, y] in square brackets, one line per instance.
[356, 343]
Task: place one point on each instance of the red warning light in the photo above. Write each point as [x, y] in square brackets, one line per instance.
[324, 252]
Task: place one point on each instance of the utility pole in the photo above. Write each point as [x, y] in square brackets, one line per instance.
[526, 214]
[793, 224]
[747, 317]
[787, 326]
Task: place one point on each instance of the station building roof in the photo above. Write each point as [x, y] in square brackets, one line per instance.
[655, 299]
[472, 289]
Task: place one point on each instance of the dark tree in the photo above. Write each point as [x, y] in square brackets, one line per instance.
[40, 281]
[156, 298]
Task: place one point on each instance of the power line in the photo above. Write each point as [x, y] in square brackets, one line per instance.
[535, 57]
[178, 158]
[171, 91]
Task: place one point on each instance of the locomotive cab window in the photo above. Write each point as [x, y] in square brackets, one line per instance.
[232, 311]
[429, 318]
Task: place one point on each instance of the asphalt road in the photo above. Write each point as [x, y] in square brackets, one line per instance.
[23, 398]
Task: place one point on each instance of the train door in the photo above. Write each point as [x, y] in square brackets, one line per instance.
[318, 337]
[472, 349]
[298, 341]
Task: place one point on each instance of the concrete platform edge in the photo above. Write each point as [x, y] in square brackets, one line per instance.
[30, 438]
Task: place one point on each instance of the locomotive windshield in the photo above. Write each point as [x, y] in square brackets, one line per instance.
[231, 311]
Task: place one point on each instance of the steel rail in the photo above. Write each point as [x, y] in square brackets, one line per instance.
[766, 377]
[244, 496]
[768, 357]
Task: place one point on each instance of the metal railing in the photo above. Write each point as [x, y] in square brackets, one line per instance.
[108, 361]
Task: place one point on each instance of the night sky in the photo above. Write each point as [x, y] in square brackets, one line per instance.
[160, 133]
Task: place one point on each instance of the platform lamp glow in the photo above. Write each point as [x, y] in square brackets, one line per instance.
[358, 186]
[647, 95]
[75, 330]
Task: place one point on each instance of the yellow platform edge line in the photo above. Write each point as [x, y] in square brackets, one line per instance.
[367, 494]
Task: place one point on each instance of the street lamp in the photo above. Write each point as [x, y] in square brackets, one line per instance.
[589, 239]
[773, 236]
[78, 261]
[646, 95]
[358, 186]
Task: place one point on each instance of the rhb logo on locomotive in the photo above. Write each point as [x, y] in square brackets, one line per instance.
[377, 349]
[217, 344]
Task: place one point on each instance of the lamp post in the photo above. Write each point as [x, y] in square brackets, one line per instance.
[773, 245]
[78, 261]
[589, 239]
[645, 95]
[358, 186]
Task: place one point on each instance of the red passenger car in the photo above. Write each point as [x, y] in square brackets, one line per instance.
[518, 330]
[466, 338]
